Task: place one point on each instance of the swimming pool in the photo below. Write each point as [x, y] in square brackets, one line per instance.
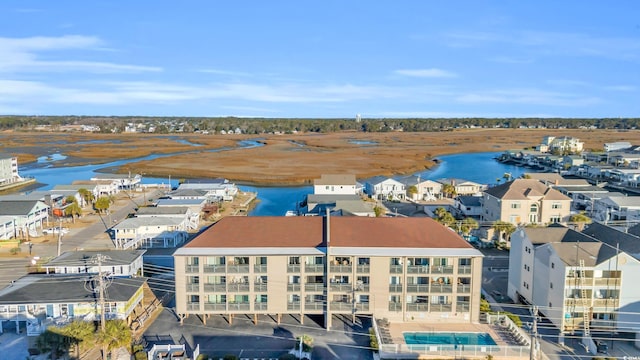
[448, 338]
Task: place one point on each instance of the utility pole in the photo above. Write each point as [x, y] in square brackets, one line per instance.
[102, 285]
[534, 333]
[59, 237]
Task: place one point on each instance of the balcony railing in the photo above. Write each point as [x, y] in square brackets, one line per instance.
[463, 306]
[215, 306]
[577, 302]
[293, 287]
[260, 268]
[210, 268]
[221, 287]
[440, 307]
[260, 306]
[191, 268]
[363, 288]
[238, 287]
[442, 269]
[193, 306]
[606, 302]
[418, 269]
[193, 287]
[262, 287]
[314, 268]
[464, 288]
[575, 281]
[341, 287]
[363, 269]
[464, 269]
[238, 269]
[395, 288]
[314, 287]
[291, 268]
[394, 306]
[293, 305]
[341, 306]
[441, 288]
[395, 269]
[423, 288]
[607, 282]
[417, 307]
[362, 306]
[313, 305]
[341, 268]
[239, 306]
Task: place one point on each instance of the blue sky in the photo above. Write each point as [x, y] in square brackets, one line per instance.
[330, 58]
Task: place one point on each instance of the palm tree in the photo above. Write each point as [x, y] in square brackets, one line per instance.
[580, 220]
[86, 195]
[467, 225]
[504, 229]
[73, 209]
[412, 191]
[449, 190]
[102, 204]
[116, 334]
[444, 217]
[79, 332]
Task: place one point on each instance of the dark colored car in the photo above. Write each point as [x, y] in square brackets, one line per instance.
[602, 347]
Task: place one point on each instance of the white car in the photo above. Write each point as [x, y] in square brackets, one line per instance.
[55, 230]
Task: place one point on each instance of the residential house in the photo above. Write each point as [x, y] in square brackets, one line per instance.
[615, 146]
[402, 269]
[8, 229]
[215, 189]
[583, 197]
[92, 188]
[569, 161]
[463, 187]
[468, 206]
[150, 232]
[616, 208]
[37, 302]
[525, 201]
[561, 144]
[195, 205]
[625, 177]
[29, 215]
[335, 185]
[124, 181]
[577, 279]
[102, 187]
[8, 169]
[193, 219]
[348, 205]
[425, 189]
[116, 263]
[384, 188]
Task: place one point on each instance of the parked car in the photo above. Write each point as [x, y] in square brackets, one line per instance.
[602, 347]
[55, 230]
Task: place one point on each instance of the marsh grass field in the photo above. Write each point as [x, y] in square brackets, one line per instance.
[292, 159]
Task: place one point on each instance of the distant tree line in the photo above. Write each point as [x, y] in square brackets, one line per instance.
[290, 125]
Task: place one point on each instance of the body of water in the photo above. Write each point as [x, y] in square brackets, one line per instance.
[276, 201]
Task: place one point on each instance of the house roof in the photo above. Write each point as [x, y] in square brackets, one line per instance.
[165, 210]
[572, 253]
[467, 200]
[180, 202]
[188, 192]
[523, 189]
[378, 179]
[80, 258]
[305, 232]
[136, 222]
[584, 189]
[554, 233]
[96, 182]
[331, 179]
[17, 207]
[626, 242]
[331, 198]
[41, 289]
[456, 181]
[623, 201]
[113, 176]
[76, 187]
[549, 177]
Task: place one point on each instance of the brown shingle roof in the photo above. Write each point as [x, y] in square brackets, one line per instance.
[331, 179]
[518, 189]
[242, 231]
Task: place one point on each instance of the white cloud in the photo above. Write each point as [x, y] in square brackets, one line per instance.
[426, 73]
[23, 55]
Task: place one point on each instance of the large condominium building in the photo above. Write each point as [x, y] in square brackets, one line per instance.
[580, 281]
[8, 169]
[404, 269]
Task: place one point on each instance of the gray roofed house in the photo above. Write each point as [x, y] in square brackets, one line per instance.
[627, 242]
[121, 263]
[347, 204]
[469, 206]
[42, 300]
[147, 232]
[382, 187]
[165, 210]
[28, 215]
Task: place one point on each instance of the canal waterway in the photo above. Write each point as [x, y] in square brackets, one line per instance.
[275, 201]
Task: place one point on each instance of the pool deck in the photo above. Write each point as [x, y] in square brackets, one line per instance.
[397, 329]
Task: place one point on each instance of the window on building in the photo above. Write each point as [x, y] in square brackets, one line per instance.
[294, 260]
[553, 265]
[550, 285]
[556, 206]
[194, 298]
[555, 219]
[533, 208]
[464, 262]
[515, 205]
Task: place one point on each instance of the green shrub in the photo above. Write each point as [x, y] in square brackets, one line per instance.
[203, 357]
[515, 318]
[373, 340]
[15, 250]
[484, 305]
[230, 357]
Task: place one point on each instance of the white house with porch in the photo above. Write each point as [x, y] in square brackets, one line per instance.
[124, 181]
[384, 188]
[150, 232]
[118, 263]
[193, 218]
[425, 189]
[28, 215]
[36, 302]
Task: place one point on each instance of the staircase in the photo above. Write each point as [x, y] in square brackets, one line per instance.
[585, 302]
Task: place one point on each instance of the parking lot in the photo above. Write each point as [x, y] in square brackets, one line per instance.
[267, 339]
